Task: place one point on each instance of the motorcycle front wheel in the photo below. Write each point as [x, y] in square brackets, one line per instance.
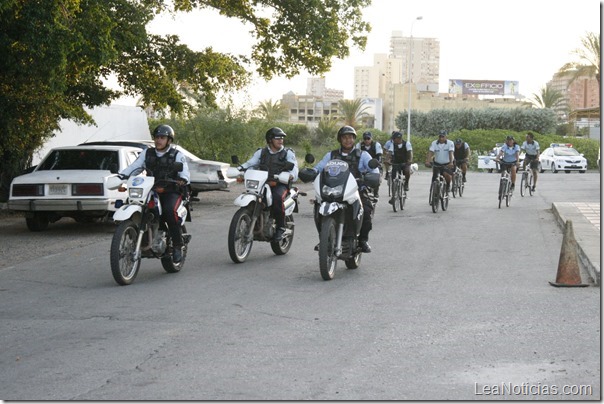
[171, 266]
[327, 246]
[283, 246]
[124, 266]
[240, 242]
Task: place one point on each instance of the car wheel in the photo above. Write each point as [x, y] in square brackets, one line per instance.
[540, 168]
[553, 168]
[38, 222]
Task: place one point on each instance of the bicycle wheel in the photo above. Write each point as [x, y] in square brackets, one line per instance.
[401, 195]
[435, 193]
[461, 187]
[395, 191]
[523, 184]
[444, 196]
[430, 194]
[531, 178]
[508, 195]
[501, 191]
[389, 181]
[454, 185]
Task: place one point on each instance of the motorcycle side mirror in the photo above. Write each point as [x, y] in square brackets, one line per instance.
[373, 163]
[235, 159]
[309, 158]
[289, 166]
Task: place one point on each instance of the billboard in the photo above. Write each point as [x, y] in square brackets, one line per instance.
[483, 87]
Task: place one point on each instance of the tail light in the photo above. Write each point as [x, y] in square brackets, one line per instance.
[87, 189]
[28, 190]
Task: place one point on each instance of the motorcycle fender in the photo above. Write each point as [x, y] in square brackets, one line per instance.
[244, 200]
[328, 208]
[126, 212]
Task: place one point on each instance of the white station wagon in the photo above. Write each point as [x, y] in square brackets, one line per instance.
[70, 182]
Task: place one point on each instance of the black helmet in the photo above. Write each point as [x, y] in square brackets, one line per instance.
[274, 133]
[458, 141]
[397, 134]
[367, 135]
[345, 130]
[443, 132]
[163, 130]
[510, 137]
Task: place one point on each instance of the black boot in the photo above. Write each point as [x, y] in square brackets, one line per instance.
[279, 234]
[177, 254]
[365, 247]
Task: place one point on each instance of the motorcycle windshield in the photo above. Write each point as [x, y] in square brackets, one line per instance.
[333, 179]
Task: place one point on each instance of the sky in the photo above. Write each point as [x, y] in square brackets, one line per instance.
[518, 40]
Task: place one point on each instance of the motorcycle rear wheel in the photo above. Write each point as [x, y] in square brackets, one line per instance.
[172, 267]
[239, 245]
[123, 265]
[283, 246]
[327, 246]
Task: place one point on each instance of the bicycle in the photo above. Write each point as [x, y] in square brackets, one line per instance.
[457, 184]
[527, 180]
[399, 195]
[438, 190]
[505, 185]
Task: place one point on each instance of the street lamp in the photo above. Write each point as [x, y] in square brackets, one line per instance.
[409, 78]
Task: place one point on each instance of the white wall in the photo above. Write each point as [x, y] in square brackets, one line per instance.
[114, 122]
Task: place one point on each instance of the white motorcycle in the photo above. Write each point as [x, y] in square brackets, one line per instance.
[141, 232]
[338, 213]
[254, 220]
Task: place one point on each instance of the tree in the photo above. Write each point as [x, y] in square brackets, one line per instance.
[57, 53]
[589, 59]
[272, 111]
[326, 132]
[549, 98]
[353, 111]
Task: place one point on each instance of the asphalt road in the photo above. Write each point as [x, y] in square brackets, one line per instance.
[453, 305]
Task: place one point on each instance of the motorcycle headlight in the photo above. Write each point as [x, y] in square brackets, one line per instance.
[335, 191]
[135, 192]
[252, 184]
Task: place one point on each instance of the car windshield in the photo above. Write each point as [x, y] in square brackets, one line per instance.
[81, 160]
[565, 151]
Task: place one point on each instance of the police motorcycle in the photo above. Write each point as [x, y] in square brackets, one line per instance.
[338, 212]
[141, 233]
[254, 219]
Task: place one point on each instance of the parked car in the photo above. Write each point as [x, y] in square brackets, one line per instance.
[562, 156]
[206, 175]
[70, 182]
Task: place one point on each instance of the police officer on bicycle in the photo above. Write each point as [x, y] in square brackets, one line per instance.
[531, 156]
[510, 152]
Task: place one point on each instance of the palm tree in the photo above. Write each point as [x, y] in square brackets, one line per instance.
[589, 59]
[549, 98]
[326, 132]
[353, 111]
[272, 111]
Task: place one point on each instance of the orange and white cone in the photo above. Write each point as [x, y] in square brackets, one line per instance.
[569, 273]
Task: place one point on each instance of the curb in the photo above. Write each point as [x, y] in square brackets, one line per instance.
[592, 267]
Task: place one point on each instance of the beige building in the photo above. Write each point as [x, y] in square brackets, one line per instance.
[582, 93]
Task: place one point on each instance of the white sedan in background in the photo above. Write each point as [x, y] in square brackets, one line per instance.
[70, 182]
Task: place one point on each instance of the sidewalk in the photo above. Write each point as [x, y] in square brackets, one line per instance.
[586, 226]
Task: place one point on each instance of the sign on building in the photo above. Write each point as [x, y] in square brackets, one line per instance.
[483, 87]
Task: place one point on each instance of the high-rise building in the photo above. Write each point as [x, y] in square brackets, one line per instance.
[388, 77]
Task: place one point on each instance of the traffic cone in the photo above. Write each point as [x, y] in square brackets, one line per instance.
[569, 274]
